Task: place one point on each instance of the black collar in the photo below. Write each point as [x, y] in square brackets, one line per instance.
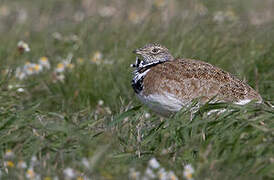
[143, 67]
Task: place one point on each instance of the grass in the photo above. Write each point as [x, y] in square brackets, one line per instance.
[61, 123]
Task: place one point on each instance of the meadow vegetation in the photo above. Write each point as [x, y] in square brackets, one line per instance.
[67, 109]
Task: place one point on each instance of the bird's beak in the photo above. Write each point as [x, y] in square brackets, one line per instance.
[136, 51]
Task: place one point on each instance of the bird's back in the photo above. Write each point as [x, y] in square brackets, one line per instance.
[189, 79]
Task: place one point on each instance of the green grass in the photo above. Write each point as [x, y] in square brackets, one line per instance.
[61, 122]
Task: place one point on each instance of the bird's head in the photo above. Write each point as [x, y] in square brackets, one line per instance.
[151, 54]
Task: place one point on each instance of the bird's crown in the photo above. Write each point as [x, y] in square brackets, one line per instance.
[152, 53]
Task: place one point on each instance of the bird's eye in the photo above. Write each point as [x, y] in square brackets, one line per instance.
[155, 50]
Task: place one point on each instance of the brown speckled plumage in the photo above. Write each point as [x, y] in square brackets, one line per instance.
[172, 83]
[190, 79]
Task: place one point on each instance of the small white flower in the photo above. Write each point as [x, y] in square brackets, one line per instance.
[57, 36]
[69, 173]
[20, 90]
[33, 161]
[37, 177]
[147, 115]
[172, 175]
[162, 174]
[85, 162]
[44, 62]
[70, 66]
[60, 77]
[37, 68]
[9, 153]
[29, 68]
[188, 172]
[97, 57]
[27, 64]
[149, 173]
[133, 174]
[30, 173]
[189, 168]
[23, 47]
[100, 102]
[22, 165]
[10, 86]
[219, 17]
[60, 67]
[153, 163]
[21, 75]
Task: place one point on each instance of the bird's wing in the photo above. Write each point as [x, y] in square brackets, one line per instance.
[190, 79]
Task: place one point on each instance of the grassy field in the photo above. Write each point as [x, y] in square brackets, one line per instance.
[67, 109]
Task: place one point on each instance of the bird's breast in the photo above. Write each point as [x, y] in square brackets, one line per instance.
[164, 104]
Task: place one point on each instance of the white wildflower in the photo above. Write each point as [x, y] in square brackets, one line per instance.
[162, 174]
[33, 161]
[22, 165]
[60, 67]
[60, 77]
[149, 173]
[188, 172]
[70, 66]
[9, 153]
[133, 174]
[29, 68]
[153, 163]
[44, 62]
[97, 57]
[147, 115]
[23, 47]
[85, 162]
[69, 173]
[219, 17]
[37, 68]
[20, 74]
[171, 175]
[100, 102]
[57, 36]
[20, 90]
[10, 86]
[30, 173]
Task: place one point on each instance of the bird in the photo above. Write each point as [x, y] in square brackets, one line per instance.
[166, 84]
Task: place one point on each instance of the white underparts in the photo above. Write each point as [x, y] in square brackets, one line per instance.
[164, 104]
[243, 102]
